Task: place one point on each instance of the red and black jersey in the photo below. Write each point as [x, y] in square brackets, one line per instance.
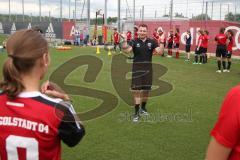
[176, 38]
[221, 39]
[116, 37]
[129, 35]
[230, 44]
[33, 125]
[170, 38]
[205, 41]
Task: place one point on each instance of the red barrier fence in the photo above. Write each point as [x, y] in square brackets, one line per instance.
[211, 25]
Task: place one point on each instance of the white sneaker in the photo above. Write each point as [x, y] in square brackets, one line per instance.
[136, 118]
[225, 70]
[228, 71]
[145, 113]
[169, 56]
[219, 71]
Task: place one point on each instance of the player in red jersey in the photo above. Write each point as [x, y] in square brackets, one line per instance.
[155, 35]
[225, 141]
[116, 40]
[199, 47]
[221, 50]
[205, 46]
[161, 40]
[129, 36]
[32, 124]
[176, 42]
[170, 43]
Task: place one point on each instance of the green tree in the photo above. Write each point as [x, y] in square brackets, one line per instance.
[201, 17]
[229, 17]
[232, 17]
[180, 15]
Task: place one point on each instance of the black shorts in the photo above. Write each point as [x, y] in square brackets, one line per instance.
[188, 48]
[221, 51]
[229, 54]
[170, 45]
[176, 45]
[200, 51]
[141, 76]
[204, 50]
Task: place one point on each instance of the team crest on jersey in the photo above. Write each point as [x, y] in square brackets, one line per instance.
[138, 45]
[149, 45]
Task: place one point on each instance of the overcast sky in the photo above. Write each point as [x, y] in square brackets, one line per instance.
[151, 7]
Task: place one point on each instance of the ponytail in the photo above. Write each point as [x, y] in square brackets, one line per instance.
[12, 83]
[24, 48]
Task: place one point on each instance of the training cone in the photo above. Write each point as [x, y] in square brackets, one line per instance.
[98, 50]
[109, 51]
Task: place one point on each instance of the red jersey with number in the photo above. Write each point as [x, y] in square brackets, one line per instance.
[227, 127]
[116, 37]
[230, 44]
[129, 35]
[176, 38]
[205, 41]
[221, 39]
[33, 125]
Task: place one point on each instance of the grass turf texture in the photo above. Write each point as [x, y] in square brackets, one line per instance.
[196, 87]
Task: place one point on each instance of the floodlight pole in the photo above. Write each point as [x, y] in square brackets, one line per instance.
[119, 15]
[75, 11]
[69, 10]
[171, 13]
[220, 11]
[88, 15]
[23, 10]
[61, 10]
[105, 13]
[40, 17]
[9, 9]
[212, 11]
[206, 13]
[235, 11]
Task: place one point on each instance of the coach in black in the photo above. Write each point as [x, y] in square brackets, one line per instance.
[143, 49]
